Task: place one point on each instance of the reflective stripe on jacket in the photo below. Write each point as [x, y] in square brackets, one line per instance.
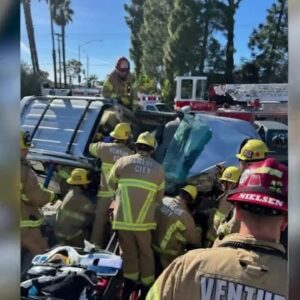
[139, 184]
[109, 153]
[175, 227]
[33, 197]
[32, 224]
[74, 214]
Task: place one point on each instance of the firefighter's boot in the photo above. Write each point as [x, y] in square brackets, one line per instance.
[144, 291]
[128, 287]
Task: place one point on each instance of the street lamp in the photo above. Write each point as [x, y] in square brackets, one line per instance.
[79, 49]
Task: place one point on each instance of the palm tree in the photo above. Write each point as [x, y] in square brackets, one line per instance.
[31, 38]
[62, 15]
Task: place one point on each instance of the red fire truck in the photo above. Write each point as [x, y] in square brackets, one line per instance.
[247, 102]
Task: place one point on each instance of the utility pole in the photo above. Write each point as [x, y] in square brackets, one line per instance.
[87, 71]
[79, 50]
[59, 58]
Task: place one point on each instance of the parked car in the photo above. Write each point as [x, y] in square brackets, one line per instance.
[275, 135]
[154, 106]
[62, 127]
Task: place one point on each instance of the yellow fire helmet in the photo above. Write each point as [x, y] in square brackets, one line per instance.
[192, 190]
[253, 150]
[231, 174]
[79, 177]
[122, 131]
[25, 139]
[147, 138]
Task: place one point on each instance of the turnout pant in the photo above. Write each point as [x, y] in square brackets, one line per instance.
[137, 255]
[33, 241]
[101, 220]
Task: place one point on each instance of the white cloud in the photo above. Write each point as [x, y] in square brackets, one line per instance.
[24, 48]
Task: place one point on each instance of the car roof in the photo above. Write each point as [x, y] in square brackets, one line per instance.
[62, 127]
[272, 125]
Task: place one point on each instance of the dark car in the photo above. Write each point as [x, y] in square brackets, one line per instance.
[275, 135]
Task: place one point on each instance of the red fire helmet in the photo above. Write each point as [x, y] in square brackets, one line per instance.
[264, 183]
[123, 64]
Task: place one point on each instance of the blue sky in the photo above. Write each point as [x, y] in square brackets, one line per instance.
[104, 20]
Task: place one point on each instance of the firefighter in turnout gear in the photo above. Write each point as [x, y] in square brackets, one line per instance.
[75, 215]
[109, 153]
[175, 226]
[119, 84]
[251, 151]
[250, 264]
[220, 226]
[139, 183]
[33, 197]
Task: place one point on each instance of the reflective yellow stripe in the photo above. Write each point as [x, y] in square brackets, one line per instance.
[118, 225]
[63, 174]
[52, 195]
[147, 280]
[153, 294]
[93, 149]
[143, 184]
[106, 167]
[70, 214]
[143, 212]
[126, 207]
[177, 226]
[131, 276]
[67, 237]
[271, 171]
[24, 198]
[31, 224]
[113, 177]
[159, 250]
[180, 237]
[105, 193]
[161, 186]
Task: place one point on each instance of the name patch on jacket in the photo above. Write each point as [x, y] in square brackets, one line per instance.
[220, 289]
[142, 166]
[118, 153]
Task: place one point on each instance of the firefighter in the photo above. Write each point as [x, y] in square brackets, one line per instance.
[175, 226]
[229, 181]
[139, 182]
[33, 197]
[75, 215]
[251, 150]
[119, 84]
[109, 153]
[250, 264]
